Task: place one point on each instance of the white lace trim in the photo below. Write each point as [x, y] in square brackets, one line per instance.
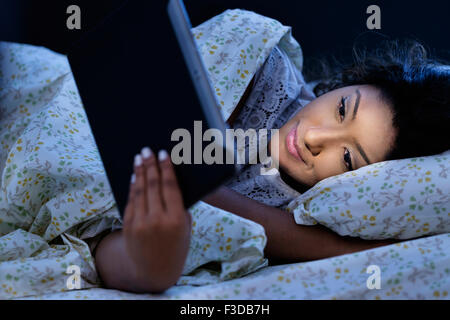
[279, 91]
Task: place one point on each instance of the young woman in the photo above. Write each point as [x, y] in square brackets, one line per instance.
[390, 104]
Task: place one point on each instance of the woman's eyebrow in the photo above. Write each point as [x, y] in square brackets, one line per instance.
[361, 151]
[355, 110]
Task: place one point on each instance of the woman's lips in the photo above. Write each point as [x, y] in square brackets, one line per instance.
[291, 142]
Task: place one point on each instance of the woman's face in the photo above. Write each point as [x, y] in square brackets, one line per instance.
[342, 130]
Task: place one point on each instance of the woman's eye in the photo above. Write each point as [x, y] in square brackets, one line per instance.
[348, 160]
[342, 109]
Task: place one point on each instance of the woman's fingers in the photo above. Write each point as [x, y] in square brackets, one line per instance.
[153, 182]
[155, 189]
[140, 201]
[170, 190]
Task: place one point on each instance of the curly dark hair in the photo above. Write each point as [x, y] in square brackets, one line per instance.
[416, 87]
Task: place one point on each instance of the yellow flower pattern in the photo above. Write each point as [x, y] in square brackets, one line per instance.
[234, 45]
[400, 199]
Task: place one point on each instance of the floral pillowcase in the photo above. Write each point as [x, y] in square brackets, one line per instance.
[400, 199]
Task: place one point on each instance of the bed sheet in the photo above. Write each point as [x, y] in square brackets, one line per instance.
[415, 269]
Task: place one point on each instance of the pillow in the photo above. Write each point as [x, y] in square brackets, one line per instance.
[400, 199]
[234, 44]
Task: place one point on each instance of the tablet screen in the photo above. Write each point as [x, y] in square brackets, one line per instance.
[137, 91]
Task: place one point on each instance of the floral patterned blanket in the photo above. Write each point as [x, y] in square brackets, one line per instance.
[54, 192]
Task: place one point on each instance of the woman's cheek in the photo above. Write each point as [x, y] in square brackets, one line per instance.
[326, 167]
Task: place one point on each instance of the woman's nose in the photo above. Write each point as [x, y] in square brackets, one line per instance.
[318, 138]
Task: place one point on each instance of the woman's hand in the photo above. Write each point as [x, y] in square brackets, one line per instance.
[156, 225]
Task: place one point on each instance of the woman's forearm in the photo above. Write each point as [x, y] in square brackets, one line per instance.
[286, 239]
[117, 270]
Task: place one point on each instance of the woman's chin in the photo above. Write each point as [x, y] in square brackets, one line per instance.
[293, 180]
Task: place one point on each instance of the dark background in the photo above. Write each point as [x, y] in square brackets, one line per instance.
[323, 28]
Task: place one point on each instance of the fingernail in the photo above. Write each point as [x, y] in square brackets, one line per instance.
[137, 160]
[162, 155]
[133, 178]
[146, 152]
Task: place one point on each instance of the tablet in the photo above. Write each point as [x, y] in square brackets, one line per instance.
[141, 79]
[197, 70]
